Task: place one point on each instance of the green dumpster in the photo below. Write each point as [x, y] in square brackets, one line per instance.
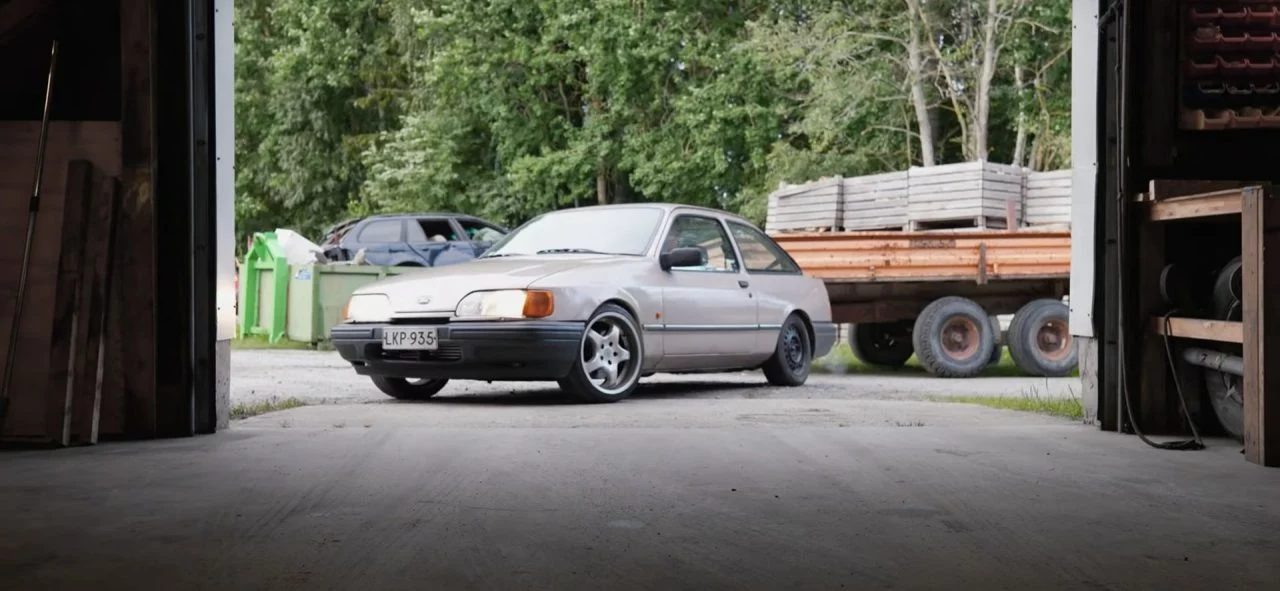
[317, 294]
[264, 287]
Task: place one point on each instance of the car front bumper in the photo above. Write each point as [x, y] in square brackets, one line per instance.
[506, 351]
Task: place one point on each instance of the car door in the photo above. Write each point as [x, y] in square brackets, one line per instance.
[480, 234]
[436, 241]
[709, 312]
[382, 241]
[773, 275]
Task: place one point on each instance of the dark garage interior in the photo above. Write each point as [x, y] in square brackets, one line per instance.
[120, 467]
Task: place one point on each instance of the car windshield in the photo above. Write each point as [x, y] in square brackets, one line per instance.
[593, 230]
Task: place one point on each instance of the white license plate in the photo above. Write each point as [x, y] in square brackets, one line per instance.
[410, 338]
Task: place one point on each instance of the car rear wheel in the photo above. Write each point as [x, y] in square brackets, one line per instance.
[883, 344]
[610, 358]
[793, 357]
[408, 388]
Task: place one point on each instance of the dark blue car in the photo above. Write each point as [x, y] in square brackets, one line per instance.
[412, 239]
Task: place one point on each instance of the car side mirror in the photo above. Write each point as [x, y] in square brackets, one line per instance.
[680, 257]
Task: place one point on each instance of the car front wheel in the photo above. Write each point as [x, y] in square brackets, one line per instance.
[610, 358]
[409, 389]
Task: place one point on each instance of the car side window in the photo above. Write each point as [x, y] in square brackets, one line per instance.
[707, 235]
[381, 232]
[432, 230]
[480, 231]
[759, 252]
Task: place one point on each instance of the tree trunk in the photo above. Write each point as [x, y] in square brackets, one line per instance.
[1020, 145]
[915, 62]
[602, 185]
[982, 110]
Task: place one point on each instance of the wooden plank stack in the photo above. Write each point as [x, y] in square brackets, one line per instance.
[1048, 198]
[875, 201]
[981, 194]
[57, 369]
[969, 195]
[811, 206]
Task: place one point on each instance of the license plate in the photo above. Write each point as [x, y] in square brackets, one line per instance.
[410, 338]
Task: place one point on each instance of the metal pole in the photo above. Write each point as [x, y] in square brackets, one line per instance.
[32, 208]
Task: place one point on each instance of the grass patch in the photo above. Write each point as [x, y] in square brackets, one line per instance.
[1069, 407]
[841, 360]
[244, 411]
[255, 342]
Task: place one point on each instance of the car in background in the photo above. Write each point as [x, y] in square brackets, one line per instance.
[595, 298]
[412, 240]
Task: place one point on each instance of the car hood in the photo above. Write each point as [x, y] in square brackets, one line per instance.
[438, 290]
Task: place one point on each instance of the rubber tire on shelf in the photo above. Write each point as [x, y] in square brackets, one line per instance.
[1226, 391]
[927, 337]
[402, 389]
[578, 385]
[776, 369]
[866, 346]
[1022, 340]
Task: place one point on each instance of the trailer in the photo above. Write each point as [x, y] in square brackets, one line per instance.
[937, 294]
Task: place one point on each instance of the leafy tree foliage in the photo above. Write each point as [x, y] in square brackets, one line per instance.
[507, 108]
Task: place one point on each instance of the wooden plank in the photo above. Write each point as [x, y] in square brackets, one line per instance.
[1162, 190]
[1221, 331]
[65, 335]
[1261, 315]
[132, 325]
[99, 248]
[1196, 206]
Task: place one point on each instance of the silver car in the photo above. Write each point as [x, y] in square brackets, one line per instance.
[595, 298]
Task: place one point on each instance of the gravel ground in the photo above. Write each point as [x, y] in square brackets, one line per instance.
[319, 377]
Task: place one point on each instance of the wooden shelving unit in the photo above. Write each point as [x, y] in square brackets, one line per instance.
[1258, 210]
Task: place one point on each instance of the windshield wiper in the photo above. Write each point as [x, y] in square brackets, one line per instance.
[569, 250]
[497, 255]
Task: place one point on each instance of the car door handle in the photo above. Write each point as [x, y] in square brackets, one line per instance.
[743, 283]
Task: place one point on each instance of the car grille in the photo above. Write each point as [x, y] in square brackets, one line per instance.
[446, 352]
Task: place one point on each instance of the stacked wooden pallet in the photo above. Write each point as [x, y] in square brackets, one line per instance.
[975, 195]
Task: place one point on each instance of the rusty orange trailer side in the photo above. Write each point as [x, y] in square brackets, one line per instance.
[883, 281]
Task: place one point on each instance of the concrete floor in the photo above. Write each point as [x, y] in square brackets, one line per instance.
[320, 377]
[741, 495]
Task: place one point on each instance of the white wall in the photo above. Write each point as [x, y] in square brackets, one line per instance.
[1084, 159]
[224, 172]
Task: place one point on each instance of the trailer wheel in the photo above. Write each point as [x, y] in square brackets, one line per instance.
[953, 338]
[1040, 341]
[883, 344]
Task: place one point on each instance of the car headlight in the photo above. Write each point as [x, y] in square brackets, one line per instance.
[507, 303]
[370, 307]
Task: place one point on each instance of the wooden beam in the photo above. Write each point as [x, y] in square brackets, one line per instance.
[1204, 205]
[1221, 331]
[132, 325]
[1261, 265]
[1164, 190]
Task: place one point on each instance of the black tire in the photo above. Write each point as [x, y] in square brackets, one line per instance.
[404, 389]
[967, 347]
[1226, 391]
[1040, 340]
[882, 344]
[793, 355]
[622, 353]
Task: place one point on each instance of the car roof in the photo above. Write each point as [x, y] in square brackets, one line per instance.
[669, 207]
[423, 214]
